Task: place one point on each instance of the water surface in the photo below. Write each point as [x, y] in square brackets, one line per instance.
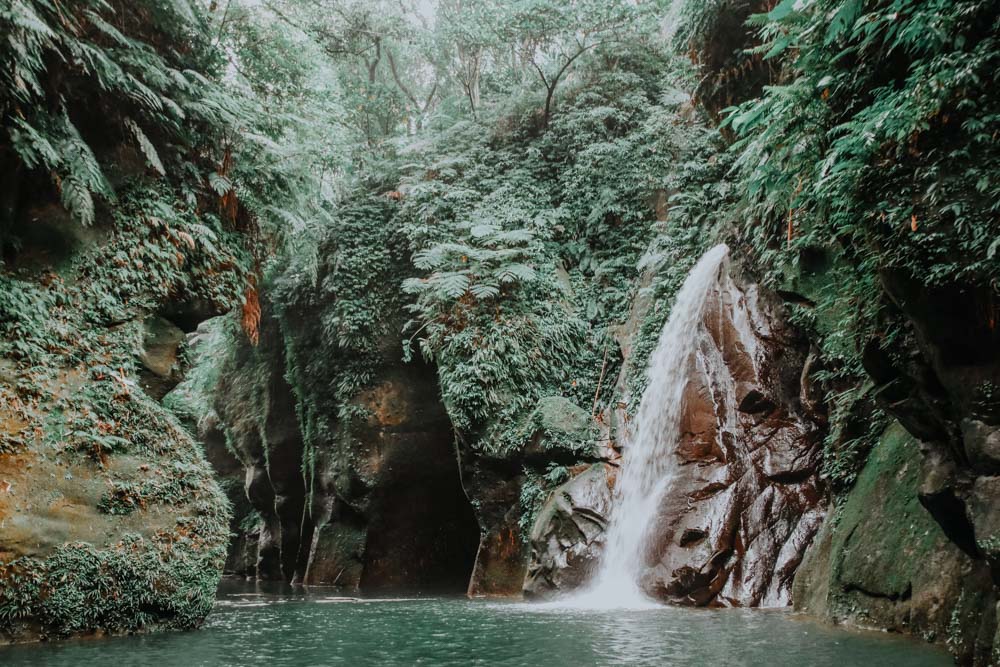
[268, 626]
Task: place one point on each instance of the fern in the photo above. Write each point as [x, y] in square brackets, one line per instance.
[510, 273]
[220, 184]
[76, 197]
[119, 56]
[147, 148]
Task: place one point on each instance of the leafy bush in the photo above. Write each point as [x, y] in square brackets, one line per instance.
[877, 146]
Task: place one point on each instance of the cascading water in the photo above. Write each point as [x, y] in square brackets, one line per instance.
[649, 465]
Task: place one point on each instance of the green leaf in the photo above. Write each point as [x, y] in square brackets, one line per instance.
[514, 272]
[992, 251]
[146, 146]
[221, 185]
[452, 285]
[784, 8]
[484, 291]
[843, 19]
[76, 198]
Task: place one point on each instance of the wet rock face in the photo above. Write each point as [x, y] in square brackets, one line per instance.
[938, 379]
[947, 394]
[495, 486]
[884, 562]
[746, 502]
[568, 536]
[256, 421]
[160, 345]
[370, 503]
[556, 432]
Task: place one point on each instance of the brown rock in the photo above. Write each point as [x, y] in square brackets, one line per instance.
[746, 501]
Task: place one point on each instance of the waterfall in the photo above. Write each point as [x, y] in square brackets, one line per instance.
[648, 462]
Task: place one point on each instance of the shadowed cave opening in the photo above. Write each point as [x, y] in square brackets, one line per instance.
[410, 528]
[422, 532]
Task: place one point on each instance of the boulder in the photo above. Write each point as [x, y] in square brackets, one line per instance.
[556, 432]
[161, 343]
[568, 535]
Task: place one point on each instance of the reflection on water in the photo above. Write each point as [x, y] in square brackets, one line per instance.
[257, 626]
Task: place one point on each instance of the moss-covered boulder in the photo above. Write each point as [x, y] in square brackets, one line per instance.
[110, 518]
[882, 561]
[558, 426]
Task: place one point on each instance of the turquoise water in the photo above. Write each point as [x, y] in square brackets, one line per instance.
[258, 626]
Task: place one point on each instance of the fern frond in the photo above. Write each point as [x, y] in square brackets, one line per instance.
[146, 146]
[76, 198]
[514, 272]
[32, 146]
[451, 284]
[106, 28]
[221, 185]
[485, 290]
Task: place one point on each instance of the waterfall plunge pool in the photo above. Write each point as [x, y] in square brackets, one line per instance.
[277, 626]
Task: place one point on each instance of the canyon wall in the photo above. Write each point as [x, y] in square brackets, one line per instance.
[910, 546]
[359, 489]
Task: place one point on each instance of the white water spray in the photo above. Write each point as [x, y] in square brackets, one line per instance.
[648, 463]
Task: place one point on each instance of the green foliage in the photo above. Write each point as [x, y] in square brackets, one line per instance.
[855, 428]
[535, 488]
[356, 294]
[252, 522]
[154, 254]
[528, 245]
[57, 64]
[172, 484]
[159, 252]
[874, 149]
[25, 317]
[134, 584]
[350, 309]
[192, 398]
[880, 142]
[124, 498]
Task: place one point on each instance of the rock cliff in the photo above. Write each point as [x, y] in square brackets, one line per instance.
[929, 479]
[111, 520]
[746, 501]
[345, 459]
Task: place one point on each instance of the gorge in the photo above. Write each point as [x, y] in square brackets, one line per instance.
[541, 331]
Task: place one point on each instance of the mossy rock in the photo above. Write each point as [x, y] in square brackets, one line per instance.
[886, 562]
[557, 425]
[882, 561]
[102, 533]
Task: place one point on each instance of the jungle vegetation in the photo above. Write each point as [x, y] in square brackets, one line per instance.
[517, 169]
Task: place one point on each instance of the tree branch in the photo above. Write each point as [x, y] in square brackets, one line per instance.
[399, 82]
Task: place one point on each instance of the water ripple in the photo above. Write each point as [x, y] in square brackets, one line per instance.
[251, 626]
